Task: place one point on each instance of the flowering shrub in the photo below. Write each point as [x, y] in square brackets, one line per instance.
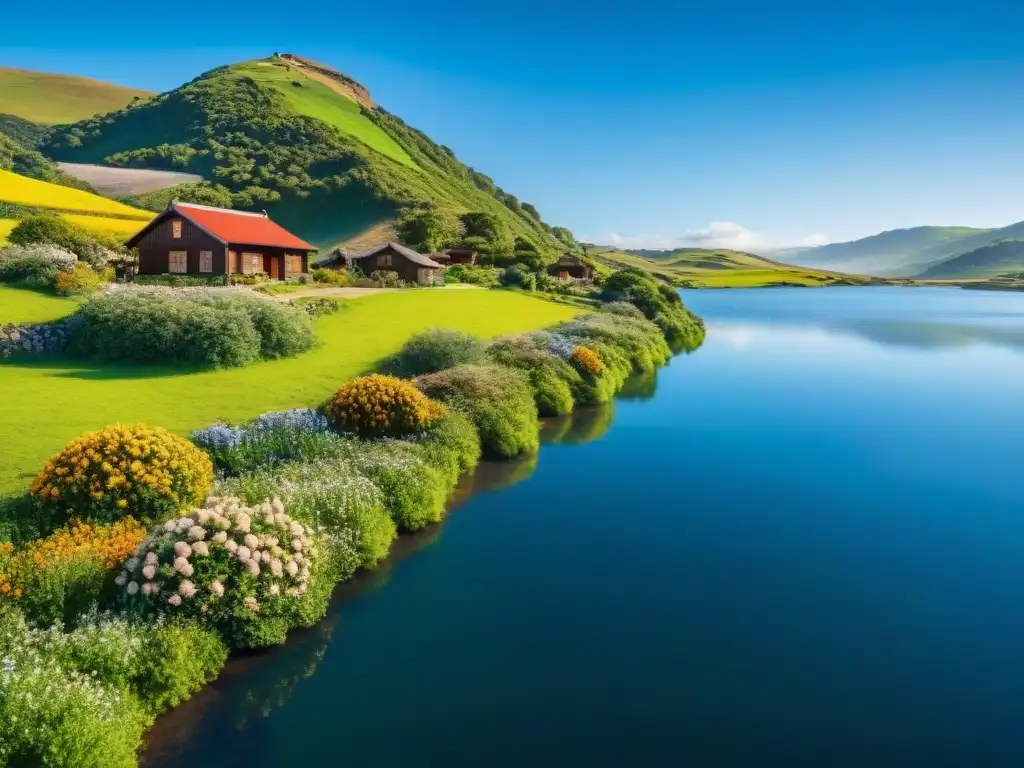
[435, 350]
[56, 578]
[498, 400]
[554, 343]
[36, 265]
[551, 377]
[452, 445]
[640, 340]
[316, 306]
[270, 439]
[345, 507]
[104, 475]
[377, 406]
[78, 280]
[56, 716]
[243, 571]
[587, 361]
[414, 492]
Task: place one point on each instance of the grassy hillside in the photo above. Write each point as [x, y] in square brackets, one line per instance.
[1001, 257]
[895, 252]
[272, 134]
[719, 268]
[81, 396]
[6, 225]
[21, 191]
[49, 99]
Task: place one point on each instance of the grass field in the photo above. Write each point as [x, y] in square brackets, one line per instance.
[32, 193]
[49, 99]
[314, 99]
[19, 305]
[6, 225]
[47, 402]
[699, 268]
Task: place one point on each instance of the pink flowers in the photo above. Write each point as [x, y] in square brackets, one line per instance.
[174, 599]
[149, 571]
[196, 533]
[181, 549]
[187, 589]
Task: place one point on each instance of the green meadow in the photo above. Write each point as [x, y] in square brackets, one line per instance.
[48, 401]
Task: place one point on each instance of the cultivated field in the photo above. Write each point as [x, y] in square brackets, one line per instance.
[125, 182]
[48, 401]
[123, 228]
[32, 193]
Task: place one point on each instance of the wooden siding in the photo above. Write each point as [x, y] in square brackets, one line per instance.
[155, 248]
[156, 245]
[407, 270]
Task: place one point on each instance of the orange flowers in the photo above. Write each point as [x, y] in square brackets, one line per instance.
[587, 360]
[375, 406]
[147, 471]
[108, 544]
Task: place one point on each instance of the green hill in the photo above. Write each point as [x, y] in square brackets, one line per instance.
[307, 143]
[719, 268]
[49, 99]
[894, 252]
[989, 260]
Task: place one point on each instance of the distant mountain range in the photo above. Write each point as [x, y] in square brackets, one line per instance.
[925, 252]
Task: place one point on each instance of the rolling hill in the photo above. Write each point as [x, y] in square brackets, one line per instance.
[309, 145]
[894, 252]
[719, 268]
[50, 99]
[989, 260]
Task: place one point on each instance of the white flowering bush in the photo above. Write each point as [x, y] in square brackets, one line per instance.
[245, 571]
[342, 505]
[58, 716]
[36, 265]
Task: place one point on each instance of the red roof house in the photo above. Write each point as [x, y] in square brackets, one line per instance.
[202, 240]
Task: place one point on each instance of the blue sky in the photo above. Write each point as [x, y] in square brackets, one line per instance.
[740, 123]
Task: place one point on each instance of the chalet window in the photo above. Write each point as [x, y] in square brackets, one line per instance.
[384, 260]
[206, 261]
[252, 263]
[177, 261]
[176, 229]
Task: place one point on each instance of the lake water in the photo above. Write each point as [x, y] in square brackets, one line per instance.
[802, 545]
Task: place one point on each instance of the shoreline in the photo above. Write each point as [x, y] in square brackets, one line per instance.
[176, 726]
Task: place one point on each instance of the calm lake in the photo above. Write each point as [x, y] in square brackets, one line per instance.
[802, 545]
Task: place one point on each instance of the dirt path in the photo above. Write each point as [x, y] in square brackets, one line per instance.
[339, 293]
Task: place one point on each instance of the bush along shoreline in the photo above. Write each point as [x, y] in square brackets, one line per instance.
[138, 560]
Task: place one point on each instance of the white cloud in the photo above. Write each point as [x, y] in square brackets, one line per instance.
[717, 234]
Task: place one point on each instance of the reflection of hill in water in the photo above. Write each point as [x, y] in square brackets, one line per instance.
[924, 335]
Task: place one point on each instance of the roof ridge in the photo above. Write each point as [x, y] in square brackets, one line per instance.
[177, 203]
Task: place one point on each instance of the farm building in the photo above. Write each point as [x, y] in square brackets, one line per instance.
[571, 267]
[202, 240]
[454, 256]
[411, 266]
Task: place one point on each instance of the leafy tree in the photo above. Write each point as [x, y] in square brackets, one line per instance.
[47, 228]
[427, 229]
[201, 194]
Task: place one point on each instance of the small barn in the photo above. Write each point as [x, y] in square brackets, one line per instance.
[192, 239]
[454, 256]
[411, 266]
[571, 267]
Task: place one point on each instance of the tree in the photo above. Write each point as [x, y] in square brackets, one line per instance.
[565, 236]
[427, 229]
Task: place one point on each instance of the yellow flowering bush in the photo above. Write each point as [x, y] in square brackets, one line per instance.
[587, 360]
[379, 406]
[125, 469]
[55, 578]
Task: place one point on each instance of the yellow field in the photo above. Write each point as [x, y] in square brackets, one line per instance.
[105, 226]
[19, 190]
[6, 225]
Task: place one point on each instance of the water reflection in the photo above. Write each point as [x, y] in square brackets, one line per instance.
[925, 335]
[641, 387]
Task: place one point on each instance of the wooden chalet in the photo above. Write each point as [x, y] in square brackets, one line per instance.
[571, 267]
[454, 256]
[191, 239]
[411, 266]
